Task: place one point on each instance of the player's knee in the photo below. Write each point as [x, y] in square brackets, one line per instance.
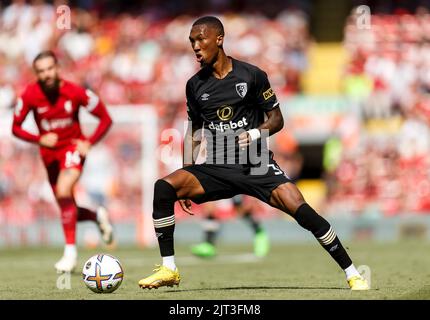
[164, 197]
[164, 191]
[63, 192]
[288, 197]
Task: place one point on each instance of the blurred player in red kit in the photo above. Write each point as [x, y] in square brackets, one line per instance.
[55, 104]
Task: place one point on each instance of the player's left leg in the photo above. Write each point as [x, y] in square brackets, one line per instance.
[101, 218]
[289, 199]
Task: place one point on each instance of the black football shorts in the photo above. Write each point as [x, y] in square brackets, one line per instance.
[223, 181]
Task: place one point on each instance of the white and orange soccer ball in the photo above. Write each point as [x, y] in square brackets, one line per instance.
[102, 273]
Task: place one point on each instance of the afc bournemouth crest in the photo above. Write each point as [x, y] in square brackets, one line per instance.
[241, 89]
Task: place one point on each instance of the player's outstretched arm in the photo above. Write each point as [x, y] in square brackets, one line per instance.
[20, 133]
[105, 122]
[97, 108]
[20, 113]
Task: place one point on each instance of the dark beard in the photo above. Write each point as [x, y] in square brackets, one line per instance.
[51, 92]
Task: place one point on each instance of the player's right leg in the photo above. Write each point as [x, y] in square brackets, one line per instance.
[62, 185]
[68, 216]
[181, 184]
[65, 183]
[63, 173]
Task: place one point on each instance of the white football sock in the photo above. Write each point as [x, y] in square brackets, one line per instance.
[351, 271]
[70, 251]
[169, 262]
[98, 213]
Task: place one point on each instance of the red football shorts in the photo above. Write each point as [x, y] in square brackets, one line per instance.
[56, 160]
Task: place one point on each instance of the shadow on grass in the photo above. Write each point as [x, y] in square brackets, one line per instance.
[259, 288]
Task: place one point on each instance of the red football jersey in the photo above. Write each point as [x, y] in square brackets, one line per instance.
[61, 115]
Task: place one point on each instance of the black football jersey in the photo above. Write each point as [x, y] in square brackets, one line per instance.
[226, 107]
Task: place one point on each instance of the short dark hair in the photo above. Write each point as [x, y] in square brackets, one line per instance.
[211, 21]
[44, 54]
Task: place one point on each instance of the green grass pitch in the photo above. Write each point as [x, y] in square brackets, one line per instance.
[398, 271]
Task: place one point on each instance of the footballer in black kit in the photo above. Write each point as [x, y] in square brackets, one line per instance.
[224, 108]
[232, 104]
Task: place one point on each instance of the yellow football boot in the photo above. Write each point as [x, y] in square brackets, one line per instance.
[163, 276]
[358, 283]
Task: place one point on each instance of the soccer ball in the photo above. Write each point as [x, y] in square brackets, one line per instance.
[102, 273]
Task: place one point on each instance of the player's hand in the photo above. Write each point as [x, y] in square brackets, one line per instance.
[244, 140]
[48, 140]
[186, 206]
[83, 147]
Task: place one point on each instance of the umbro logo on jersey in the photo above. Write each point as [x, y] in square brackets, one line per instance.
[205, 96]
[241, 89]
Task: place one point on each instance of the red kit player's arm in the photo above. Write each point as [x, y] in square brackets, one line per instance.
[97, 108]
[105, 122]
[21, 110]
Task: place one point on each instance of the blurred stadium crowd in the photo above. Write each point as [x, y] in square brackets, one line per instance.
[378, 153]
[386, 146]
[136, 58]
[141, 57]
